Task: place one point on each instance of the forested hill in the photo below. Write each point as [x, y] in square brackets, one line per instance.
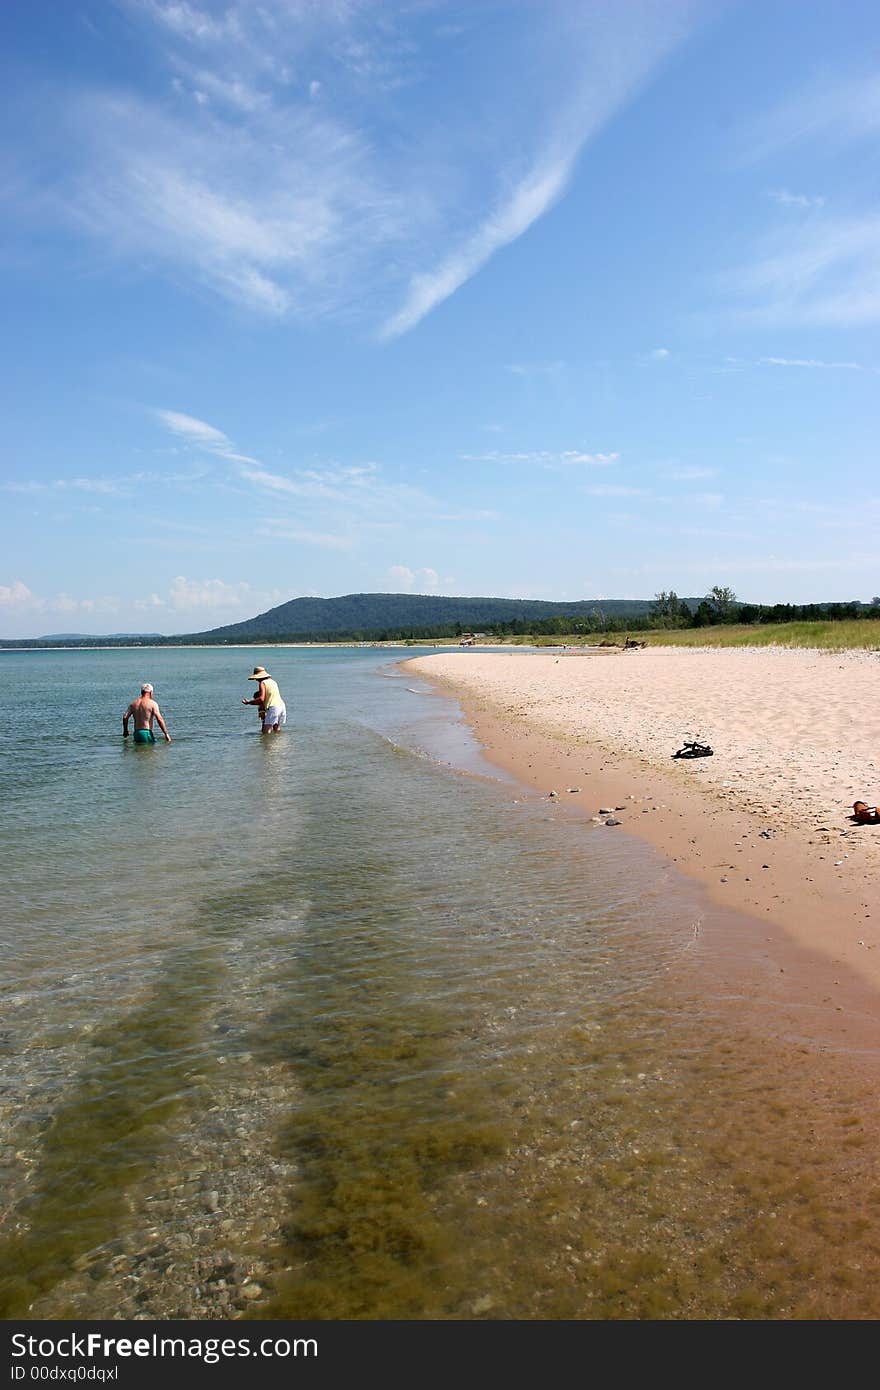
[358, 616]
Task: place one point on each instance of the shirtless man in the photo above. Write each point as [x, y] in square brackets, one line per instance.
[144, 711]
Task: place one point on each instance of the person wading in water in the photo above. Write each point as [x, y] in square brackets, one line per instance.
[145, 712]
[268, 697]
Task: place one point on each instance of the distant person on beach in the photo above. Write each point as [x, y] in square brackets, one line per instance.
[145, 713]
[865, 814]
[268, 700]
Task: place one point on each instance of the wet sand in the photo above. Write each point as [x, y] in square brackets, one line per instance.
[764, 824]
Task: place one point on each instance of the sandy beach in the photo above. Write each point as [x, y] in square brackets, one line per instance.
[764, 824]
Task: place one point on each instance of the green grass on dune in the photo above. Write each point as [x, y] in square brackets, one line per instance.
[862, 635]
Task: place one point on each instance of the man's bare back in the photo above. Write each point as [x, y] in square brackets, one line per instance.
[144, 711]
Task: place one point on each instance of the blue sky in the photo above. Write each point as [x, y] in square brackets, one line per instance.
[524, 298]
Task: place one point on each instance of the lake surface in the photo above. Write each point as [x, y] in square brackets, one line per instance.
[345, 1024]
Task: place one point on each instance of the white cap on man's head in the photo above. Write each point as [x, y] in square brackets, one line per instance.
[146, 689]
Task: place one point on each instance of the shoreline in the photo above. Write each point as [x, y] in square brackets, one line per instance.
[218, 646]
[595, 728]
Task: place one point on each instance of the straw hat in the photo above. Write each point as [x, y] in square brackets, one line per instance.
[260, 674]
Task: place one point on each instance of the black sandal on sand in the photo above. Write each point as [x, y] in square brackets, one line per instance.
[694, 750]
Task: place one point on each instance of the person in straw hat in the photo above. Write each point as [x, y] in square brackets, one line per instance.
[268, 699]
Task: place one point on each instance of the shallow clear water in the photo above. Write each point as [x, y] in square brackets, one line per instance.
[343, 1024]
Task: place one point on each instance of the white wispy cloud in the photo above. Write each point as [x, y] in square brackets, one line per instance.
[546, 457]
[105, 487]
[358, 489]
[535, 368]
[762, 565]
[325, 540]
[285, 167]
[811, 362]
[202, 436]
[829, 111]
[207, 86]
[826, 273]
[786, 199]
[690, 474]
[193, 21]
[615, 490]
[278, 482]
[459, 514]
[278, 211]
[712, 533]
[615, 52]
[196, 431]
[337, 491]
[848, 511]
[824, 270]
[529, 201]
[122, 485]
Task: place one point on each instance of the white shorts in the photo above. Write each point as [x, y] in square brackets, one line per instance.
[275, 714]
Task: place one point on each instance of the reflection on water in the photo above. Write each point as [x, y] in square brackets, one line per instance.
[315, 1027]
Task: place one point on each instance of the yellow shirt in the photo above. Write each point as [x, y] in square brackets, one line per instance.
[271, 693]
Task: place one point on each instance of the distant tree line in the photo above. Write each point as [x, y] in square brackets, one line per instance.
[721, 605]
[668, 611]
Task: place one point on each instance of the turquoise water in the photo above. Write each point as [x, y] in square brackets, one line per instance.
[342, 1023]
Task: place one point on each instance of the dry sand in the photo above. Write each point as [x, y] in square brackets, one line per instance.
[764, 823]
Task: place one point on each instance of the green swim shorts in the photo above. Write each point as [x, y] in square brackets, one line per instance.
[144, 736]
